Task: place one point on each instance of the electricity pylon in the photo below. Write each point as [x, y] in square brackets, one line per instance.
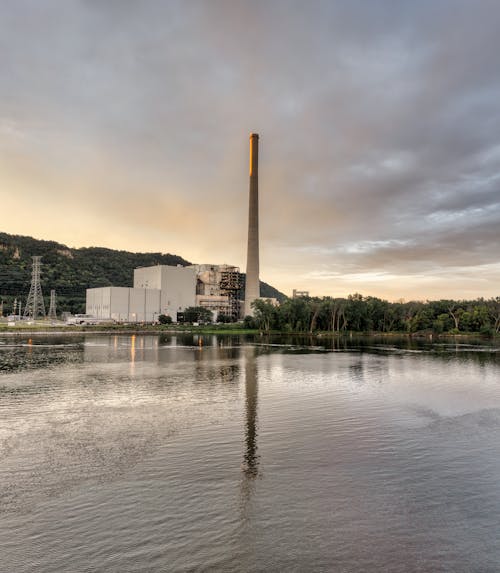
[34, 305]
[52, 308]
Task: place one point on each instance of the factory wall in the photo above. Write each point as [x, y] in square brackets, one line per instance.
[124, 304]
[148, 277]
[177, 285]
[215, 303]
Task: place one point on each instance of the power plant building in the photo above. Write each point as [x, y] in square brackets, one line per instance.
[177, 286]
[218, 289]
[161, 289]
[168, 290]
[123, 304]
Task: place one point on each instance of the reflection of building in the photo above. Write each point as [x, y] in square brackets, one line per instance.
[218, 289]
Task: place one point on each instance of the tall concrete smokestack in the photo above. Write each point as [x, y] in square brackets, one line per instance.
[252, 285]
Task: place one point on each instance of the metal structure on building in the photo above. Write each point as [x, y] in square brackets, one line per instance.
[218, 288]
[230, 286]
[52, 308]
[35, 306]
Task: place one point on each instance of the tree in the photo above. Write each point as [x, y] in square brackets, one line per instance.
[197, 314]
[249, 322]
[264, 313]
[494, 312]
[357, 313]
[315, 310]
[164, 319]
[456, 312]
[224, 318]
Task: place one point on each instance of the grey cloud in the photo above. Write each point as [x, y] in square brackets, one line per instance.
[379, 120]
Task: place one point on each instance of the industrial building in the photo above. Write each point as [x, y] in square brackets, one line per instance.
[176, 284]
[218, 289]
[300, 293]
[161, 289]
[168, 290]
[123, 304]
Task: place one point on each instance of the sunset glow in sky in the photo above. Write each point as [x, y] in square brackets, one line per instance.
[125, 124]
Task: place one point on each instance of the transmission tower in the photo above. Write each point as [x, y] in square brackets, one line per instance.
[34, 305]
[52, 308]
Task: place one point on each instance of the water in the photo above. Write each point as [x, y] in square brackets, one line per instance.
[146, 453]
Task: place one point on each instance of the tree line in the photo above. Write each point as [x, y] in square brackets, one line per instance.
[360, 313]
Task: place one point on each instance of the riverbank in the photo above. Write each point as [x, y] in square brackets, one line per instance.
[223, 329]
[61, 330]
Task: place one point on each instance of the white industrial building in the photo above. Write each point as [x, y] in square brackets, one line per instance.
[168, 290]
[161, 289]
[177, 286]
[124, 304]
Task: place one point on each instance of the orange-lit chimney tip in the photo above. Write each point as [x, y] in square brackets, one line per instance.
[254, 153]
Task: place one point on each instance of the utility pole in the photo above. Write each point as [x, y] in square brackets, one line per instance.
[34, 305]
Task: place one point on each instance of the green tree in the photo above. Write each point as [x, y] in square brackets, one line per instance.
[198, 314]
[265, 314]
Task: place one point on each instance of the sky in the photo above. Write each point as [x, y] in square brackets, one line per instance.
[125, 124]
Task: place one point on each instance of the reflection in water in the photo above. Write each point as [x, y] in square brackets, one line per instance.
[251, 458]
[132, 349]
[250, 464]
[158, 469]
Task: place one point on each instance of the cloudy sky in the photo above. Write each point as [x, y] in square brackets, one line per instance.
[125, 124]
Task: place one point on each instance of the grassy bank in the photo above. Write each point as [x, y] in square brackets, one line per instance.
[42, 327]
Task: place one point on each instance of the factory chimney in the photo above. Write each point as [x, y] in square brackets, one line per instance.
[252, 285]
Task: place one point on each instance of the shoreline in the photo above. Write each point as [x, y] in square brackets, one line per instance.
[44, 331]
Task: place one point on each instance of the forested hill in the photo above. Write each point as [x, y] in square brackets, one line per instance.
[71, 271]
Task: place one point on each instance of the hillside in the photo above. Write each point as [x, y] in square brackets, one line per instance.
[71, 271]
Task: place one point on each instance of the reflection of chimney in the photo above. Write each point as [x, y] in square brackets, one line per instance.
[252, 286]
[251, 464]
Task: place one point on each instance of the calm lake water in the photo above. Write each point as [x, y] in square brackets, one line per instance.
[148, 453]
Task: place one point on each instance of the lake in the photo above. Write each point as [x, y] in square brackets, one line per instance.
[204, 453]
